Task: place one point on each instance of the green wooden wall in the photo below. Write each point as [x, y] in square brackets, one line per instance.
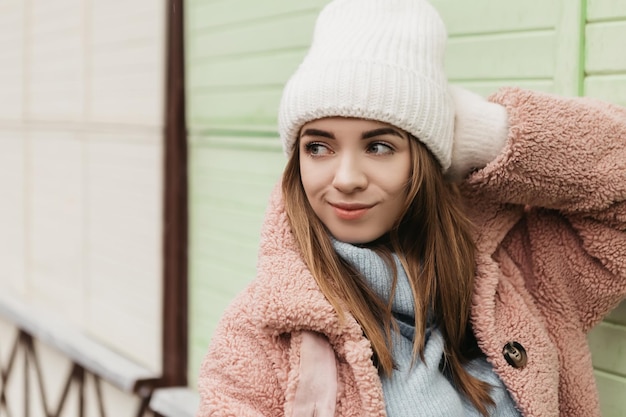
[604, 56]
[239, 53]
[533, 44]
[604, 63]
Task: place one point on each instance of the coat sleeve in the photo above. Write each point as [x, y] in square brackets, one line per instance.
[238, 377]
[564, 161]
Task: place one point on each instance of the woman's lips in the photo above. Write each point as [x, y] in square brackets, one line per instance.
[350, 211]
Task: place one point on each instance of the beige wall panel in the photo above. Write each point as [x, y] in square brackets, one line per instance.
[123, 22]
[55, 223]
[56, 70]
[605, 46]
[605, 9]
[127, 62]
[502, 56]
[132, 10]
[81, 212]
[125, 88]
[124, 244]
[11, 59]
[13, 189]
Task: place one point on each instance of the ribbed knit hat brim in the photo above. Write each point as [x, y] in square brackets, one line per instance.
[374, 59]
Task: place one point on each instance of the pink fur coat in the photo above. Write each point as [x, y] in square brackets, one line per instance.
[551, 217]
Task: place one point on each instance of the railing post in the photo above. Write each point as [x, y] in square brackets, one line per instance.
[79, 378]
[23, 341]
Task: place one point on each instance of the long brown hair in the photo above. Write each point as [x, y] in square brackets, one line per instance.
[433, 242]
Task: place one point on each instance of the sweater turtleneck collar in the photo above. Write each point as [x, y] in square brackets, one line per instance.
[379, 276]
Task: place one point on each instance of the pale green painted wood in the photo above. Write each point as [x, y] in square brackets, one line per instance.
[612, 399]
[606, 68]
[244, 91]
[252, 140]
[211, 15]
[222, 159]
[608, 348]
[224, 222]
[607, 87]
[228, 276]
[605, 47]
[488, 16]
[519, 52]
[231, 187]
[618, 316]
[244, 72]
[606, 10]
[248, 107]
[286, 32]
[527, 55]
[568, 55]
[209, 306]
[229, 190]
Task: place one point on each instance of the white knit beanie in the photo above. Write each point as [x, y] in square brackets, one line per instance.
[374, 59]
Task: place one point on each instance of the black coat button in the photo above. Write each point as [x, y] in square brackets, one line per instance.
[515, 355]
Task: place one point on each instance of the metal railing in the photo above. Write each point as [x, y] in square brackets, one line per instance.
[89, 360]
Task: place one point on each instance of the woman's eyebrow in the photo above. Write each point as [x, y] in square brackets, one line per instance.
[380, 132]
[317, 132]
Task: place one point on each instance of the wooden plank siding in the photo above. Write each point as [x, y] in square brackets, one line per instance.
[490, 42]
[239, 55]
[526, 44]
[605, 78]
[237, 60]
[608, 347]
[605, 62]
[241, 52]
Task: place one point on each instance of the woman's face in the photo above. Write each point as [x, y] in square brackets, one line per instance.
[355, 174]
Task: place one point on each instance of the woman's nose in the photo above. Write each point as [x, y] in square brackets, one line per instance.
[349, 175]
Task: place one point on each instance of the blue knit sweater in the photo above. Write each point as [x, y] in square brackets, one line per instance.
[419, 388]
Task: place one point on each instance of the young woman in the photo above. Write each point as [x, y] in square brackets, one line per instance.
[383, 287]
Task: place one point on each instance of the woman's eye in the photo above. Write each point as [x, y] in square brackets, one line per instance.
[379, 148]
[316, 149]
